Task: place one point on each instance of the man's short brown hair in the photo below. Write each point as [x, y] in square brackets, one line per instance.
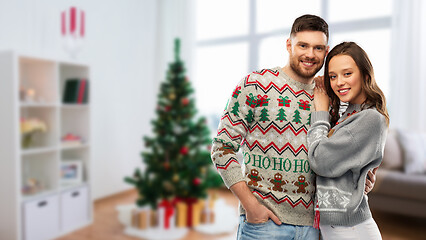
[309, 23]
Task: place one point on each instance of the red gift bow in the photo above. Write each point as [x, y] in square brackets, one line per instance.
[251, 101]
[190, 202]
[283, 100]
[169, 211]
[236, 92]
[262, 100]
[259, 97]
[304, 104]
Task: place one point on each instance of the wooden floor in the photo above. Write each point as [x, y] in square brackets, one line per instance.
[107, 227]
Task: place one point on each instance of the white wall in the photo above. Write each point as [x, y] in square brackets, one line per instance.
[120, 47]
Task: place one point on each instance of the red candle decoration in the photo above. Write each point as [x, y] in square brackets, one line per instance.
[73, 19]
[63, 24]
[82, 24]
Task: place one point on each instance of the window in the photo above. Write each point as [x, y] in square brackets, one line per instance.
[221, 19]
[237, 37]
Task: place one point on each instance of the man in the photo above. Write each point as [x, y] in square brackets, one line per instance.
[268, 115]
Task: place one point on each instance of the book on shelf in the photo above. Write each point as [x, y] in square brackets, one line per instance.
[76, 91]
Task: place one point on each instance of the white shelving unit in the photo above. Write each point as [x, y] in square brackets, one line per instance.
[57, 207]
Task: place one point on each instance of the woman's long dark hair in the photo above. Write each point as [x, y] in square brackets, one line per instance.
[375, 96]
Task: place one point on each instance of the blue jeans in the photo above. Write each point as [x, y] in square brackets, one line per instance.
[271, 231]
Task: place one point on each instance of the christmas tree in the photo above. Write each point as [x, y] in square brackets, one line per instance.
[250, 116]
[235, 109]
[296, 117]
[281, 116]
[309, 120]
[177, 157]
[264, 115]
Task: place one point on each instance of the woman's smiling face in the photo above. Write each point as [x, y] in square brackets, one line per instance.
[346, 79]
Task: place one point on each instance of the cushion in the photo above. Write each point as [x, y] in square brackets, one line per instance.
[413, 147]
[392, 156]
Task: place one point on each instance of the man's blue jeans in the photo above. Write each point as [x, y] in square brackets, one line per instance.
[271, 231]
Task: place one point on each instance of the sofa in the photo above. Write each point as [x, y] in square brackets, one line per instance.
[401, 178]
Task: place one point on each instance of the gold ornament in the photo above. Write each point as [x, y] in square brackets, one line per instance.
[168, 185]
[175, 178]
[172, 96]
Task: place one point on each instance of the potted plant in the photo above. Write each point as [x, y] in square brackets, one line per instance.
[28, 128]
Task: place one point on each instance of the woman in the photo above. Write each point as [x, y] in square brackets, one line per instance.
[342, 149]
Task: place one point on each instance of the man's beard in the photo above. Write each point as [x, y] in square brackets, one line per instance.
[296, 67]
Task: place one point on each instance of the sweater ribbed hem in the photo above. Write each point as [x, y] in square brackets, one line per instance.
[345, 218]
[298, 215]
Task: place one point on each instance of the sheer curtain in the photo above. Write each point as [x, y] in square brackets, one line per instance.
[175, 20]
[407, 101]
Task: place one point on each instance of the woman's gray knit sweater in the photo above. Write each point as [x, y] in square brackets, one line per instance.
[342, 162]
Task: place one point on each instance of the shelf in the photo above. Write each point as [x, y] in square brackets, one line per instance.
[40, 150]
[38, 76]
[38, 105]
[75, 121]
[32, 89]
[49, 116]
[39, 195]
[71, 147]
[67, 187]
[75, 106]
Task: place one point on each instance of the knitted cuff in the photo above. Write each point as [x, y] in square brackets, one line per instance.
[320, 116]
[232, 176]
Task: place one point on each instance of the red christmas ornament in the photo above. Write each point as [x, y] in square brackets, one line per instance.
[185, 101]
[196, 181]
[184, 150]
[166, 166]
[167, 108]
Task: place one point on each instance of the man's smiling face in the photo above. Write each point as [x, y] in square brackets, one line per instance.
[307, 50]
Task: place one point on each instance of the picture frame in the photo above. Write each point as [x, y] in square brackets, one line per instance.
[71, 172]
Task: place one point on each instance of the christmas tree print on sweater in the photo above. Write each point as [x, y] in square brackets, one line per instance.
[296, 117]
[235, 110]
[309, 120]
[282, 101]
[269, 124]
[281, 116]
[250, 116]
[264, 115]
